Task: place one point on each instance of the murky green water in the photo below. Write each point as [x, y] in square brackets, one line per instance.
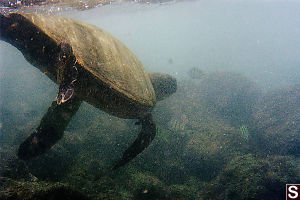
[231, 133]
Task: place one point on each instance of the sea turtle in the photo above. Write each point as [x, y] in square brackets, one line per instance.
[89, 65]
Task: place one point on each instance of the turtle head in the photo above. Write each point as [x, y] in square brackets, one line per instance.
[163, 84]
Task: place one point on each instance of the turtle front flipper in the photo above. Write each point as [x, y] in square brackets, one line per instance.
[144, 139]
[50, 130]
[67, 73]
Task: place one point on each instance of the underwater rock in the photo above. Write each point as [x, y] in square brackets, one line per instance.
[230, 95]
[202, 140]
[16, 169]
[249, 177]
[210, 148]
[182, 110]
[145, 186]
[165, 157]
[179, 121]
[17, 190]
[277, 122]
[219, 98]
[196, 73]
[183, 192]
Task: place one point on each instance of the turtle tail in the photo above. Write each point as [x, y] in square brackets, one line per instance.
[143, 140]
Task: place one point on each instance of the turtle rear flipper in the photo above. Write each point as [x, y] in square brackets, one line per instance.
[144, 139]
[51, 129]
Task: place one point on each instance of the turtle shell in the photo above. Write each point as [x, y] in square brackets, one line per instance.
[105, 57]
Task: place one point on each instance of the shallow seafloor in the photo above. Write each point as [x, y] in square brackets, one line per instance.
[232, 132]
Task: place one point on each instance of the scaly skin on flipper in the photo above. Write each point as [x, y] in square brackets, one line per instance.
[50, 130]
[144, 139]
